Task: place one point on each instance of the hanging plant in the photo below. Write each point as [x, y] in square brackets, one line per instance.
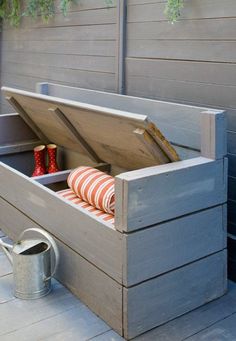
[44, 8]
[12, 11]
[173, 9]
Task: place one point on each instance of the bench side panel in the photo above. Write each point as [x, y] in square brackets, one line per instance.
[166, 297]
[156, 194]
[164, 247]
[98, 243]
[97, 290]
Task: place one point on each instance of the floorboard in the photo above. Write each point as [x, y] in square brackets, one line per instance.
[224, 330]
[5, 266]
[6, 288]
[61, 316]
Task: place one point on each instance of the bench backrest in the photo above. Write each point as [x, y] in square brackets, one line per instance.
[188, 128]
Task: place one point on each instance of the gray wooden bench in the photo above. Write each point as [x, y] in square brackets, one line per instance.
[166, 253]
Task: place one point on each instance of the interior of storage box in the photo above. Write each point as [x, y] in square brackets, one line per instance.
[66, 159]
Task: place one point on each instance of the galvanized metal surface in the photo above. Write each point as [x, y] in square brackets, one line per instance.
[31, 262]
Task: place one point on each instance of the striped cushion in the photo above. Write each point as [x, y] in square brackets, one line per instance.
[71, 196]
[94, 187]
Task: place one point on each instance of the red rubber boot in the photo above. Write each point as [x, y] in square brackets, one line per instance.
[52, 158]
[39, 159]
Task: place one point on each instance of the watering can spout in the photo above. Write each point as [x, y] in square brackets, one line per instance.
[6, 247]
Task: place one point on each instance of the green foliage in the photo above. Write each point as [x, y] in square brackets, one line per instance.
[12, 11]
[44, 8]
[173, 8]
[64, 5]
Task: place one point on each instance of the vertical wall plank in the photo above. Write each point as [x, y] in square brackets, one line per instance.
[121, 45]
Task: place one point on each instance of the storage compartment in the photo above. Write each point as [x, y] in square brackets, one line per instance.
[166, 248]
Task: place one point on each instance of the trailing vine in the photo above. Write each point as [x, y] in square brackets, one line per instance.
[173, 8]
[12, 10]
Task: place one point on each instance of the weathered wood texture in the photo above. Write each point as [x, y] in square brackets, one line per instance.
[80, 127]
[191, 62]
[85, 280]
[170, 245]
[173, 294]
[81, 231]
[78, 50]
[192, 130]
[157, 194]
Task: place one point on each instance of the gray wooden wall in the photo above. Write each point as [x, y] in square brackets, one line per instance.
[77, 50]
[192, 61]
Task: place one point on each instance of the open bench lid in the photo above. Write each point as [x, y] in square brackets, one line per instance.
[128, 140]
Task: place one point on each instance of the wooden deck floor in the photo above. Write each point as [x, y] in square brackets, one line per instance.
[61, 316]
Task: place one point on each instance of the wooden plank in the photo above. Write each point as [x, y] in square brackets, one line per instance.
[13, 129]
[14, 103]
[77, 322]
[174, 294]
[53, 177]
[26, 77]
[164, 247]
[62, 175]
[74, 18]
[222, 330]
[15, 315]
[97, 290]
[6, 289]
[121, 45]
[195, 321]
[91, 121]
[189, 71]
[80, 231]
[179, 123]
[175, 49]
[87, 32]
[75, 62]
[108, 336]
[94, 48]
[149, 143]
[168, 191]
[18, 147]
[186, 29]
[193, 9]
[69, 126]
[23, 162]
[6, 267]
[187, 153]
[213, 138]
[196, 93]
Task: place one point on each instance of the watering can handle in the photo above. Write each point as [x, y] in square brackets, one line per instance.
[52, 242]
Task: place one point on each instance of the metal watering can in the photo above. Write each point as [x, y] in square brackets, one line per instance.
[31, 260]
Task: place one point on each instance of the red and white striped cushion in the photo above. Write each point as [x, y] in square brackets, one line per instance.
[94, 187]
[71, 196]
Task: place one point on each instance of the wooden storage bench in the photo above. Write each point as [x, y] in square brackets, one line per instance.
[166, 253]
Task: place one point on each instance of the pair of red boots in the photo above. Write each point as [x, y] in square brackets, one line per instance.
[40, 160]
